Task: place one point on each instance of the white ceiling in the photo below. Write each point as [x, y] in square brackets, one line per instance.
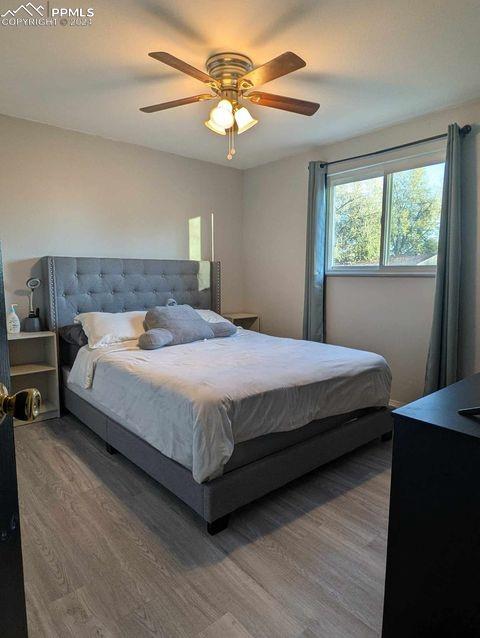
[370, 63]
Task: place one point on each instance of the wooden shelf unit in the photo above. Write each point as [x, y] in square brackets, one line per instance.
[33, 363]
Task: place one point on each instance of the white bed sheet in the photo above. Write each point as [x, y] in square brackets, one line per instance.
[193, 402]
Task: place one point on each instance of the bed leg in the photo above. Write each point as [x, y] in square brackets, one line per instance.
[386, 437]
[218, 525]
[110, 449]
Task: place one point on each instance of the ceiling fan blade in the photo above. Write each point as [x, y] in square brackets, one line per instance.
[182, 66]
[284, 103]
[170, 105]
[281, 65]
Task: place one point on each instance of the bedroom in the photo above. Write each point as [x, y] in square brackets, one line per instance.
[118, 544]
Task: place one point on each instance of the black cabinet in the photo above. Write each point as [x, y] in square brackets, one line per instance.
[432, 583]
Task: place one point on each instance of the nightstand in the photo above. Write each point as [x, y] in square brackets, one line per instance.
[33, 363]
[247, 320]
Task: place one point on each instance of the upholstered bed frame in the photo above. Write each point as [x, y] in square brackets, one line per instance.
[117, 285]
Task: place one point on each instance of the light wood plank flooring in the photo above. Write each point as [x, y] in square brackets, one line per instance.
[108, 552]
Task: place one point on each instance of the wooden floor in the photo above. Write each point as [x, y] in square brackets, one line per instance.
[108, 552]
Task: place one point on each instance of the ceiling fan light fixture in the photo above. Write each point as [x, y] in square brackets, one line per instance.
[244, 120]
[225, 104]
[213, 126]
[222, 114]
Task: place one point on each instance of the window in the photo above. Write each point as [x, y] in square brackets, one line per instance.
[385, 219]
[195, 238]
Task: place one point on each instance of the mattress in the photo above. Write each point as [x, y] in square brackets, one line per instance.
[262, 446]
[195, 402]
[252, 450]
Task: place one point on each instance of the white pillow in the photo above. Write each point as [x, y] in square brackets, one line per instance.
[210, 316]
[104, 328]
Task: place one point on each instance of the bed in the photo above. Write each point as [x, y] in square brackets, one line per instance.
[221, 422]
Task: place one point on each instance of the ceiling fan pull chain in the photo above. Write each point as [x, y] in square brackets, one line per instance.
[229, 142]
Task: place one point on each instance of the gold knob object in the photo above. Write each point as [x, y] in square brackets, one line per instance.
[23, 405]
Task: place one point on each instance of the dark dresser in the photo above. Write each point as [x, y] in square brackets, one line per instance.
[432, 583]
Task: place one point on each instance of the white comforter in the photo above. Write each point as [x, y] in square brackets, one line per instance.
[193, 402]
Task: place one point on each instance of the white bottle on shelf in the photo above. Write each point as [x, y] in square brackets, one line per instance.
[13, 322]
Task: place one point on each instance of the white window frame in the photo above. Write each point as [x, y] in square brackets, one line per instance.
[384, 169]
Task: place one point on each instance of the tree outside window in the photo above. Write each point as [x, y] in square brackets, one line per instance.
[387, 221]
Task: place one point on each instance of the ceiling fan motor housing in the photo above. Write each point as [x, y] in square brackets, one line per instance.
[227, 68]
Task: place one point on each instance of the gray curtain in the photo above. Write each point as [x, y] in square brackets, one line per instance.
[314, 308]
[442, 363]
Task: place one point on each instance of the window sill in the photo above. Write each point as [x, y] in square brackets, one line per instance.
[379, 273]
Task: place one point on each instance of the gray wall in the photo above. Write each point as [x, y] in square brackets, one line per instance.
[388, 315]
[67, 193]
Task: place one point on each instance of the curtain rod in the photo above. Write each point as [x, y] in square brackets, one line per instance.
[465, 130]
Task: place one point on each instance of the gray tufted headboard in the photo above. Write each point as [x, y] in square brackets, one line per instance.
[87, 284]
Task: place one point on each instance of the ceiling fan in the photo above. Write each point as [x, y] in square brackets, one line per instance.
[231, 77]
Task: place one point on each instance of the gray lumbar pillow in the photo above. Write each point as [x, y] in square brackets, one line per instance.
[183, 322]
[223, 328]
[155, 338]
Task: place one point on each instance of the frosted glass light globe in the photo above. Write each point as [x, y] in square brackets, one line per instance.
[222, 114]
[244, 120]
[214, 127]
